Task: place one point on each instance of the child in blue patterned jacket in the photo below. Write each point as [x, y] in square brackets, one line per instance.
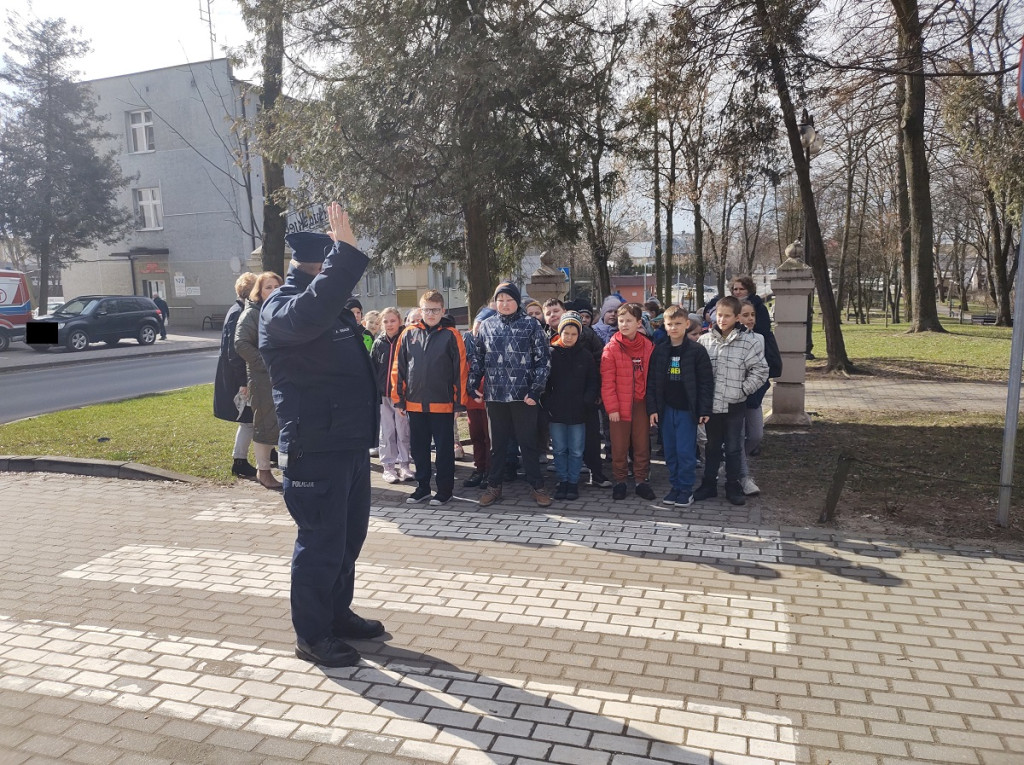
[511, 356]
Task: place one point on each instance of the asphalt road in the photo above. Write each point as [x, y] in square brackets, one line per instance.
[51, 389]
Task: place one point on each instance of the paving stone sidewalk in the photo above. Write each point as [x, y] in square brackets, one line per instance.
[146, 622]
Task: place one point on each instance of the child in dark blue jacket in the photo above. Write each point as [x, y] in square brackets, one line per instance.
[680, 390]
[572, 388]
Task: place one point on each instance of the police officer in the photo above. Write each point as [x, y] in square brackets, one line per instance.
[328, 407]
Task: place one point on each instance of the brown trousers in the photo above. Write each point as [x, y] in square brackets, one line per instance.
[636, 433]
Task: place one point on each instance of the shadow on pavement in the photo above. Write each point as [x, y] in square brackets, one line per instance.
[489, 714]
[738, 551]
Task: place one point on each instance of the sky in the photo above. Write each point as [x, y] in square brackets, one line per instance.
[132, 37]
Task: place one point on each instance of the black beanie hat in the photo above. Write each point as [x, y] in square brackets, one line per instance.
[511, 290]
[353, 303]
[309, 246]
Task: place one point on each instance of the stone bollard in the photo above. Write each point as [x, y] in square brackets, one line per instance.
[792, 285]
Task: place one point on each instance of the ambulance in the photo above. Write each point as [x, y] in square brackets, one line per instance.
[15, 307]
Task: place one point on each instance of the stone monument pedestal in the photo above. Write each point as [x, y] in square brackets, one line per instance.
[792, 285]
[547, 282]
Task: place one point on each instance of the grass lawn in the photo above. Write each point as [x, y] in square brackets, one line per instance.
[175, 431]
[916, 474]
[967, 353]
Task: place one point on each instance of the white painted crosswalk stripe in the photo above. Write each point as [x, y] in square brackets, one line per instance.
[669, 613]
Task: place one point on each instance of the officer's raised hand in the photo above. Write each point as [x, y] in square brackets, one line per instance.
[340, 230]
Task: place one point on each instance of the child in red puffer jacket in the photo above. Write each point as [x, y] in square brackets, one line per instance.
[624, 365]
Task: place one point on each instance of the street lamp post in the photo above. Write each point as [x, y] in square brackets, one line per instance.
[811, 141]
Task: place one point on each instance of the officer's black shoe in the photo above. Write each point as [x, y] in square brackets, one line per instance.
[329, 652]
[243, 469]
[356, 627]
[422, 494]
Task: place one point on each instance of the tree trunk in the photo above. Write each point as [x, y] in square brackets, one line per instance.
[698, 254]
[847, 223]
[273, 172]
[835, 346]
[599, 255]
[1000, 282]
[656, 175]
[664, 272]
[478, 278]
[44, 273]
[903, 212]
[922, 235]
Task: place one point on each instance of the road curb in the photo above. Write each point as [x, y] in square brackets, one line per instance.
[60, 361]
[132, 471]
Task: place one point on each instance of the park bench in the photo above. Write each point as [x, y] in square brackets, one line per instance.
[215, 320]
[986, 318]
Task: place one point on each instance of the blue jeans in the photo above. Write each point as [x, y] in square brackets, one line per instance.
[567, 444]
[679, 436]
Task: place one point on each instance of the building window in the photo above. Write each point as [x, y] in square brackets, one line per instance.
[140, 131]
[149, 211]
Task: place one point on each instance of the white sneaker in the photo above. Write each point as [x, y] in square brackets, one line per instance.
[460, 453]
[404, 474]
[749, 487]
[390, 476]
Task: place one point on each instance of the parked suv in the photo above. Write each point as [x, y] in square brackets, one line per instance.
[103, 318]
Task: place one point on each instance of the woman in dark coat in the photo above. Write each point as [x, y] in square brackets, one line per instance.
[743, 289]
[264, 416]
[231, 379]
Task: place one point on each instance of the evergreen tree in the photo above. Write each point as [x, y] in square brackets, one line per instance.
[58, 193]
[422, 123]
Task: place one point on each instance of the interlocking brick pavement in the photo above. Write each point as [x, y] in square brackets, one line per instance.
[148, 622]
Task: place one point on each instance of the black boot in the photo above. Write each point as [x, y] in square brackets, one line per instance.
[560, 491]
[706, 490]
[734, 493]
[243, 469]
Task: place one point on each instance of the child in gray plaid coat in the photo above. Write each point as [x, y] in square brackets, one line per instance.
[740, 369]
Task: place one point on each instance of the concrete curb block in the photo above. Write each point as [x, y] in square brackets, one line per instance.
[60, 361]
[132, 471]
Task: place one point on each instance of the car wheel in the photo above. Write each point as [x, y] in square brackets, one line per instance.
[147, 334]
[5, 342]
[78, 340]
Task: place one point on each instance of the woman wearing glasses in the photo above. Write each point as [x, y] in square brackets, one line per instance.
[742, 288]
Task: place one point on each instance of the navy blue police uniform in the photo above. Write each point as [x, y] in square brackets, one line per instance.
[327, 403]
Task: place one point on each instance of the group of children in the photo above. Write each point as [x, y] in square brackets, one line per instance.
[532, 374]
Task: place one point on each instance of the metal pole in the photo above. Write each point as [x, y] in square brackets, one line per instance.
[809, 353]
[1012, 395]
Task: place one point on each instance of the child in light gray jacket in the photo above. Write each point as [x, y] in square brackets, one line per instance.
[740, 369]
